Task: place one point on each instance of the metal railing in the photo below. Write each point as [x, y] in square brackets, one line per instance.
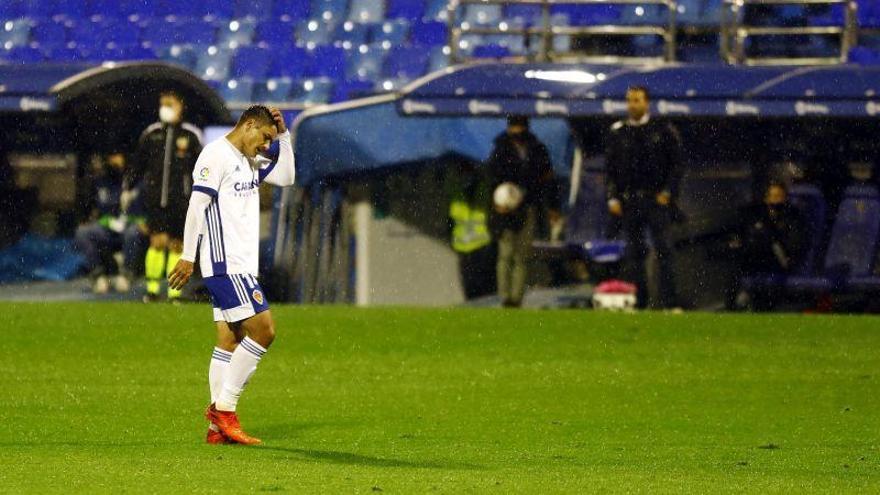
[547, 32]
[734, 33]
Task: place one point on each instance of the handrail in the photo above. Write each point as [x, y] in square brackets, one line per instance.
[548, 32]
[734, 33]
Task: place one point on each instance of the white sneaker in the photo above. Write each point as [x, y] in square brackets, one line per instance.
[121, 284]
[102, 285]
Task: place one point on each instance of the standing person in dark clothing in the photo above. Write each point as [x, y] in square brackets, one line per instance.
[642, 163]
[520, 159]
[163, 165]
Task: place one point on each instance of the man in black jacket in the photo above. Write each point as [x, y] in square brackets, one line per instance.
[521, 159]
[163, 165]
[642, 163]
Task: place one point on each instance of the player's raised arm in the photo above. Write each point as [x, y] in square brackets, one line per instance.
[282, 172]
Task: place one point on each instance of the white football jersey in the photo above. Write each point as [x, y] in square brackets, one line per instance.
[229, 242]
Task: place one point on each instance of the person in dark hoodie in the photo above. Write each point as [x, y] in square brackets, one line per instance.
[519, 158]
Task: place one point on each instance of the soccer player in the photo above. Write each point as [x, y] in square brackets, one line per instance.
[223, 225]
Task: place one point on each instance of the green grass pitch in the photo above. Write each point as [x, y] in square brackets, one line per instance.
[109, 398]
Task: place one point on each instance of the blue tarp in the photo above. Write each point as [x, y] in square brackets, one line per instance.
[39, 258]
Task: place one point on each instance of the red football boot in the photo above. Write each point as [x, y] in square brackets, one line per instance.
[227, 422]
[215, 437]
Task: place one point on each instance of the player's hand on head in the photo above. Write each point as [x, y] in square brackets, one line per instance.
[180, 275]
[279, 120]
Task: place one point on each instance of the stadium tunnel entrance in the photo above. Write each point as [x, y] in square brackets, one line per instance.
[58, 118]
[740, 125]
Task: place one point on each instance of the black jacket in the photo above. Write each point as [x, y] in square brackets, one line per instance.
[534, 175]
[148, 165]
[642, 159]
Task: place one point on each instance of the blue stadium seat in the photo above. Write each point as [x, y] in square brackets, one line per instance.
[587, 15]
[69, 10]
[429, 33]
[395, 32]
[236, 32]
[49, 33]
[275, 34]
[213, 64]
[853, 243]
[11, 9]
[864, 56]
[347, 90]
[23, 54]
[183, 55]
[276, 89]
[641, 15]
[312, 33]
[293, 62]
[135, 8]
[405, 63]
[329, 61]
[253, 9]
[490, 50]
[329, 10]
[42, 9]
[162, 32]
[525, 14]
[409, 10]
[435, 10]
[312, 91]
[14, 33]
[251, 62]
[64, 53]
[482, 15]
[439, 58]
[290, 10]
[351, 34]
[366, 11]
[809, 200]
[238, 90]
[365, 63]
[114, 52]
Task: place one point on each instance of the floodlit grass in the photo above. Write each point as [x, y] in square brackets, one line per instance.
[109, 397]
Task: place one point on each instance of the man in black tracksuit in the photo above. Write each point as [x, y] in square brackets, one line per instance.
[162, 166]
[642, 163]
[521, 159]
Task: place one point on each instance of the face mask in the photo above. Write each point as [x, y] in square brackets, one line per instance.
[168, 115]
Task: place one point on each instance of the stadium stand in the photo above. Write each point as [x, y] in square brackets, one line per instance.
[384, 45]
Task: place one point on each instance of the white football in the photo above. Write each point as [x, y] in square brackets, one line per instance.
[507, 196]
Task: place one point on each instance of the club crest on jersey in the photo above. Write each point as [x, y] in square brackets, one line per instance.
[203, 173]
[258, 296]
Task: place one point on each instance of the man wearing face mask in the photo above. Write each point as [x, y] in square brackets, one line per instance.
[163, 165]
[519, 158]
[642, 163]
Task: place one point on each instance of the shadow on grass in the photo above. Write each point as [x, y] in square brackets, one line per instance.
[334, 457]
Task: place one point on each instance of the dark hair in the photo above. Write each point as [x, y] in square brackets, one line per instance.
[518, 120]
[260, 113]
[641, 89]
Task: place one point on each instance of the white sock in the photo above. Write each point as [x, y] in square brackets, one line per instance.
[216, 373]
[241, 367]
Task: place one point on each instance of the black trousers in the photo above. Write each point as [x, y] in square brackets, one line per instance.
[477, 270]
[643, 216]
